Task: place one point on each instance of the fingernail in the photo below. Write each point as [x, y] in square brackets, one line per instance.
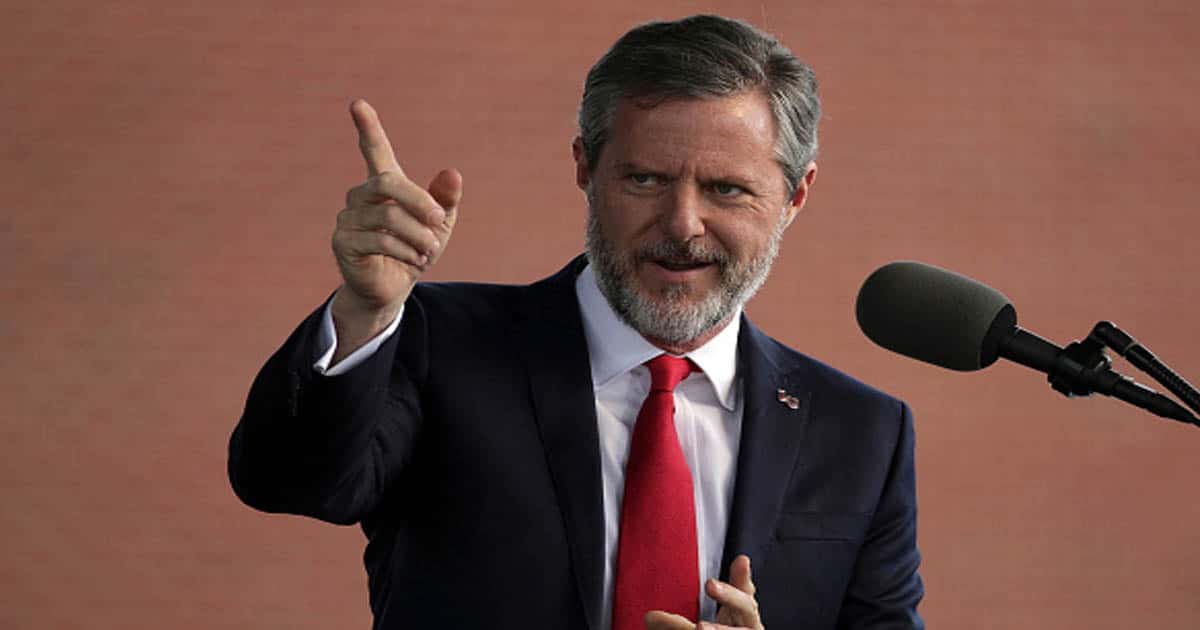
[424, 260]
[717, 585]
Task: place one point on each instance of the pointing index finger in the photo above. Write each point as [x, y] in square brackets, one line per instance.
[373, 140]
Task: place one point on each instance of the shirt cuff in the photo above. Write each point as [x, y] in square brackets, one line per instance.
[327, 338]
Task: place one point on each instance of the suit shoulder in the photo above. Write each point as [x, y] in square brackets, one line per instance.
[473, 300]
[488, 305]
[830, 381]
[454, 301]
[461, 294]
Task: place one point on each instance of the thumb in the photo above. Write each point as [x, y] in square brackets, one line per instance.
[739, 574]
[447, 189]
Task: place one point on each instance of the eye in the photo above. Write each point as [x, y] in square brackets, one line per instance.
[643, 180]
[725, 189]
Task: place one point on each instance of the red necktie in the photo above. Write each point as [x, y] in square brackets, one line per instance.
[657, 565]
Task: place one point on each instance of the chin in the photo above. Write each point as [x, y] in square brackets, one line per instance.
[670, 295]
[696, 289]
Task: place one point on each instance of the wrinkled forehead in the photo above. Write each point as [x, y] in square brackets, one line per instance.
[729, 129]
[749, 105]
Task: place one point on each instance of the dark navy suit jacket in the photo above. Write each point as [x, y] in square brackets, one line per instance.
[467, 449]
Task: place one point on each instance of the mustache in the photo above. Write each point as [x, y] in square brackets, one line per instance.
[685, 252]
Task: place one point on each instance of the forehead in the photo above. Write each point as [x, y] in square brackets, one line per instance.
[719, 132]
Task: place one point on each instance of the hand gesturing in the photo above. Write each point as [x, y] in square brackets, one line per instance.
[390, 231]
[738, 608]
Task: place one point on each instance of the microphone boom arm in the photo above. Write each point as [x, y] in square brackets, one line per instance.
[1082, 368]
[1141, 357]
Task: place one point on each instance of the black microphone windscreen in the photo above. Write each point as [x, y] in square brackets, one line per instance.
[934, 315]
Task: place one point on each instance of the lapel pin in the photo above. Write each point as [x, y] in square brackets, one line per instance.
[787, 399]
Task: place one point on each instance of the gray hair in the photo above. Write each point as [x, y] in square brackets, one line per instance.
[704, 56]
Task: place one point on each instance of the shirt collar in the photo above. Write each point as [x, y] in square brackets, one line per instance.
[615, 348]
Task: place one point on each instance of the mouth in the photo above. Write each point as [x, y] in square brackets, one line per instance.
[681, 265]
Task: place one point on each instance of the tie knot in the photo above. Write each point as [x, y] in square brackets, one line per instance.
[666, 371]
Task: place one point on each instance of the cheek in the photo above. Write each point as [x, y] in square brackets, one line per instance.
[625, 218]
[741, 239]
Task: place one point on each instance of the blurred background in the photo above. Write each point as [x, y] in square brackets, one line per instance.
[171, 172]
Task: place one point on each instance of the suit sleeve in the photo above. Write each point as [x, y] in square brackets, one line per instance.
[329, 446]
[886, 588]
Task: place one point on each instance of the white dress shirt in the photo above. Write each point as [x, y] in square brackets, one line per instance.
[708, 419]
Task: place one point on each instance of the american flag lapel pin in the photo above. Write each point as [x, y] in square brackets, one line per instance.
[787, 399]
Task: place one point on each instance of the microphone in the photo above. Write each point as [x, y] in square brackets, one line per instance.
[947, 319]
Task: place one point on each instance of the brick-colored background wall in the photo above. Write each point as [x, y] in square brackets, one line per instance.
[171, 171]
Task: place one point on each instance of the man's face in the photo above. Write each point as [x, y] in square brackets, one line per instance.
[687, 205]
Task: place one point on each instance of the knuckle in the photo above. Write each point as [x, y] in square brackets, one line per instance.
[393, 216]
[389, 179]
[374, 216]
[384, 184]
[377, 241]
[373, 185]
[340, 242]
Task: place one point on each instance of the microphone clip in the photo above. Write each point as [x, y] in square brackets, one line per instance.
[1081, 368]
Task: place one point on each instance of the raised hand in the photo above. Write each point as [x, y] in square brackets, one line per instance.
[390, 231]
[738, 610]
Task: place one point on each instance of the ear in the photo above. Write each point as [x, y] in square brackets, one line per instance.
[583, 177]
[801, 195]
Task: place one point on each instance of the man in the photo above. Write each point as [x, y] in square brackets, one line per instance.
[615, 446]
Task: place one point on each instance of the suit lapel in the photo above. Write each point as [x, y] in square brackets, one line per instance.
[772, 431]
[550, 333]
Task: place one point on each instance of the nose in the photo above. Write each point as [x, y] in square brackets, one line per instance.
[682, 216]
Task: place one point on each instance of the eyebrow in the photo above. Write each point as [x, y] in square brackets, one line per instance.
[634, 167]
[730, 178]
[740, 180]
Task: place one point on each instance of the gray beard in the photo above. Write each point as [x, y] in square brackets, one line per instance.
[670, 316]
